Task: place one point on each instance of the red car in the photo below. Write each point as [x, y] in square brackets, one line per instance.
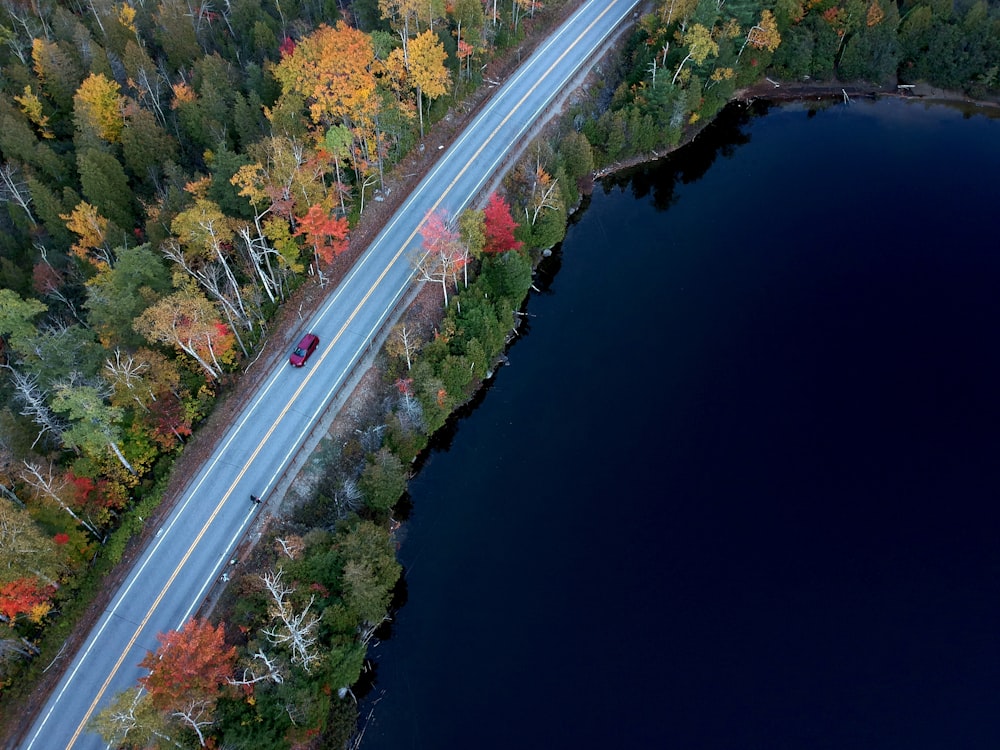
[305, 348]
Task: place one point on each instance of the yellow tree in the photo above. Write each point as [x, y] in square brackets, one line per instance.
[875, 14]
[98, 107]
[333, 68]
[700, 46]
[31, 106]
[762, 36]
[401, 15]
[427, 70]
[92, 231]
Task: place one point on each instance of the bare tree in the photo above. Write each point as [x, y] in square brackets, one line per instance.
[348, 498]
[411, 413]
[259, 254]
[34, 405]
[50, 487]
[19, 647]
[197, 714]
[15, 190]
[297, 630]
[131, 721]
[292, 546]
[404, 341]
[127, 372]
[271, 672]
[217, 279]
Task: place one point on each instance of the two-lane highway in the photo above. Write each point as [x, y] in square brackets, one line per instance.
[194, 545]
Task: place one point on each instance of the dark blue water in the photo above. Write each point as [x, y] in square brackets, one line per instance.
[738, 486]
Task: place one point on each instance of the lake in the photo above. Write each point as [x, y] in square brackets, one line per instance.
[737, 487]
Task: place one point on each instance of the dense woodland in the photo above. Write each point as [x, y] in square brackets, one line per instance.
[171, 172]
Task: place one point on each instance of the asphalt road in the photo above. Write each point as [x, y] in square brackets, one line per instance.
[194, 545]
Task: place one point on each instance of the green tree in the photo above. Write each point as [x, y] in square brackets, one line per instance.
[383, 480]
[370, 569]
[24, 549]
[17, 317]
[106, 186]
[119, 294]
[576, 155]
[146, 147]
[175, 33]
[872, 53]
[57, 69]
[96, 426]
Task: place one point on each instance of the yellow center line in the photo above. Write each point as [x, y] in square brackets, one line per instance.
[302, 385]
[182, 563]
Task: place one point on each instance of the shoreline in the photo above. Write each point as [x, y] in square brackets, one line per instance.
[784, 92]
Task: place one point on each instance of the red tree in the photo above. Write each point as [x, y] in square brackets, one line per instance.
[499, 226]
[327, 235]
[445, 254]
[192, 664]
[23, 596]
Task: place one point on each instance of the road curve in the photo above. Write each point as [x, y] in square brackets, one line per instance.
[193, 547]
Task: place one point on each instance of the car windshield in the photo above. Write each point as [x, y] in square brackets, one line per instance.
[299, 351]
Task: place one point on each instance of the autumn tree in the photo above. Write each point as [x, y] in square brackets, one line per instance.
[188, 673]
[763, 35]
[499, 226]
[191, 662]
[91, 229]
[24, 596]
[468, 18]
[701, 45]
[403, 342]
[428, 71]
[442, 251]
[325, 233]
[282, 182]
[98, 109]
[204, 237]
[34, 110]
[25, 552]
[49, 486]
[402, 18]
[189, 322]
[332, 68]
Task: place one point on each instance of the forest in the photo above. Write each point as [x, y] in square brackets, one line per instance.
[171, 174]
